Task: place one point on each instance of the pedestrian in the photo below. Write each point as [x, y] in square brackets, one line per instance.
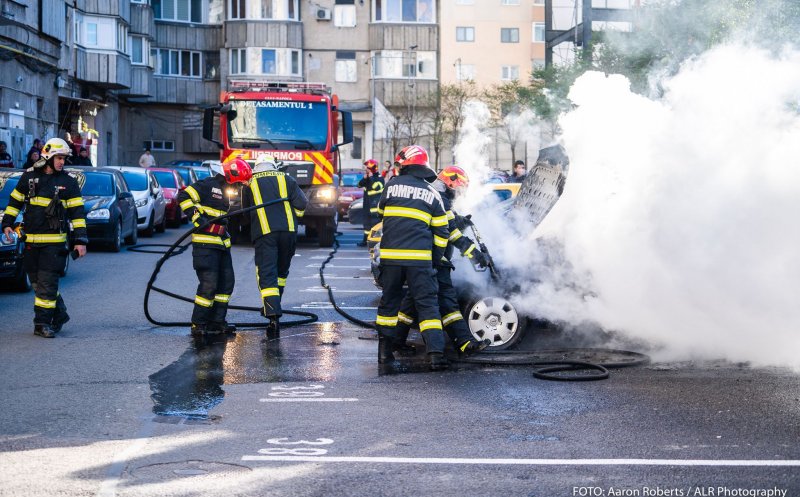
[74, 147]
[49, 197]
[372, 183]
[147, 159]
[450, 181]
[83, 158]
[33, 158]
[273, 229]
[211, 246]
[390, 172]
[37, 146]
[414, 237]
[5, 157]
[520, 172]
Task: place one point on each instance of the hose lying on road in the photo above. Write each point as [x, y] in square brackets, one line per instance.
[352, 319]
[177, 249]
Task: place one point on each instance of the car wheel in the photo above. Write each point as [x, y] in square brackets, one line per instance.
[134, 236]
[496, 319]
[162, 226]
[116, 238]
[148, 232]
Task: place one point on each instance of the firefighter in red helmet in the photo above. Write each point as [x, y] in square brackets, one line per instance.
[211, 253]
[448, 183]
[414, 238]
[372, 183]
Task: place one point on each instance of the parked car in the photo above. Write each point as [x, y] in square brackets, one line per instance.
[182, 162]
[109, 204]
[12, 272]
[151, 207]
[171, 183]
[348, 192]
[202, 171]
[355, 213]
[187, 174]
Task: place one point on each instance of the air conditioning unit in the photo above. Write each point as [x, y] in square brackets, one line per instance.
[323, 14]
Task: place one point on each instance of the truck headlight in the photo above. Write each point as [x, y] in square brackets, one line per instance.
[141, 202]
[99, 214]
[326, 194]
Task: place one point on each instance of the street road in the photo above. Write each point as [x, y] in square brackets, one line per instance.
[115, 406]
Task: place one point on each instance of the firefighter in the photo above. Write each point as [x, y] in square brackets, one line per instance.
[414, 236]
[211, 252]
[49, 197]
[448, 183]
[273, 230]
[372, 183]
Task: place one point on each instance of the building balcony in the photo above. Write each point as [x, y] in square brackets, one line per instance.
[275, 34]
[141, 83]
[192, 91]
[117, 8]
[109, 69]
[142, 20]
[385, 36]
[406, 92]
[188, 36]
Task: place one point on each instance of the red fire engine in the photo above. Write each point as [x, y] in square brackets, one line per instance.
[296, 123]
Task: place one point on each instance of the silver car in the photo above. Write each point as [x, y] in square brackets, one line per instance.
[150, 202]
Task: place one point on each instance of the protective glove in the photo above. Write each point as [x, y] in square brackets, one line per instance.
[479, 258]
[201, 220]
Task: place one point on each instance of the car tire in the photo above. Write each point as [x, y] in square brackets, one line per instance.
[134, 236]
[148, 232]
[494, 318]
[116, 238]
[162, 226]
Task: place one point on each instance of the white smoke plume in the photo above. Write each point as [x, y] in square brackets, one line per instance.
[678, 222]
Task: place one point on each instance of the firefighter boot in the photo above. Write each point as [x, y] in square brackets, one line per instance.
[473, 346]
[59, 322]
[273, 328]
[43, 330]
[198, 330]
[223, 327]
[438, 361]
[386, 348]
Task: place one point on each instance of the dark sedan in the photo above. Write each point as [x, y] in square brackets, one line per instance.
[110, 207]
[12, 273]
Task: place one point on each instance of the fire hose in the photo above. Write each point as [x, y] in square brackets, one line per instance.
[177, 249]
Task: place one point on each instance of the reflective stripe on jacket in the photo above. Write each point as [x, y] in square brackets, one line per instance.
[206, 197]
[282, 216]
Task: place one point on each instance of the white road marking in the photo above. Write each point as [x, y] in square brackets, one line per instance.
[327, 305]
[341, 267]
[533, 462]
[338, 290]
[330, 277]
[309, 399]
[323, 257]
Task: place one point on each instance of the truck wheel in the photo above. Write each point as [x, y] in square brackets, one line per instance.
[496, 319]
[327, 232]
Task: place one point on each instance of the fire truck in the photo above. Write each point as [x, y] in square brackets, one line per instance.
[297, 124]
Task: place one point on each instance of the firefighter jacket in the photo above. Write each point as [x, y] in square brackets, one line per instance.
[206, 198]
[414, 220]
[373, 188]
[457, 239]
[49, 200]
[282, 216]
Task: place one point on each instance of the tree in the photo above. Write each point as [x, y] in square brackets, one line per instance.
[511, 105]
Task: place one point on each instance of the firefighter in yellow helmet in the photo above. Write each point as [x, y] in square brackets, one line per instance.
[50, 197]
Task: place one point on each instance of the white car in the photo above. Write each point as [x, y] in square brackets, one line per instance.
[150, 202]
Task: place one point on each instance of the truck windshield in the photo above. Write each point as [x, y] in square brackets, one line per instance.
[279, 125]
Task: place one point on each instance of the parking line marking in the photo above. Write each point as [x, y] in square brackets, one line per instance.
[323, 257]
[310, 399]
[325, 306]
[338, 290]
[342, 267]
[532, 462]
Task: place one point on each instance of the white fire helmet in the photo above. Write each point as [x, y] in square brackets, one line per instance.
[265, 162]
[53, 147]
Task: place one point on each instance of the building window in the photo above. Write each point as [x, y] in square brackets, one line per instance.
[509, 72]
[465, 33]
[139, 50]
[268, 61]
[465, 72]
[509, 35]
[91, 34]
[404, 10]
[159, 145]
[355, 152]
[122, 38]
[178, 10]
[510, 2]
[238, 61]
[344, 16]
[78, 29]
[212, 65]
[237, 9]
[538, 32]
[177, 63]
[295, 61]
[398, 64]
[346, 67]
[144, 2]
[537, 64]
[465, 2]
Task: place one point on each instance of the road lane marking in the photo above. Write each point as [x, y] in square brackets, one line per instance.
[329, 277]
[342, 267]
[338, 290]
[309, 399]
[323, 257]
[531, 462]
[326, 305]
